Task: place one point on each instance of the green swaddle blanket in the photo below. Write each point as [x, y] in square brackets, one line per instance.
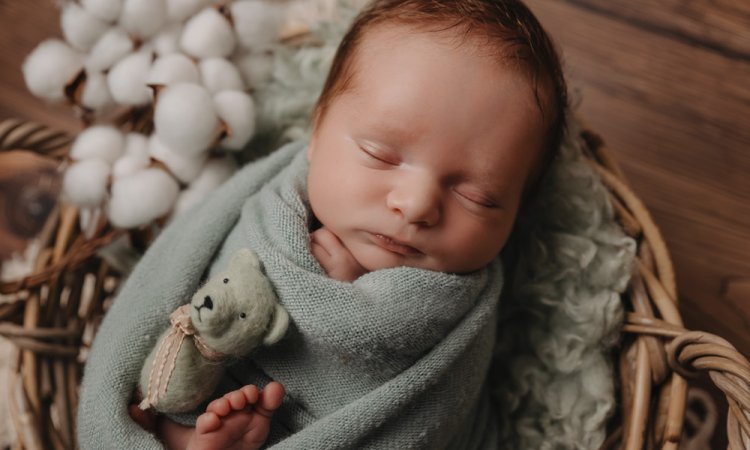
[396, 359]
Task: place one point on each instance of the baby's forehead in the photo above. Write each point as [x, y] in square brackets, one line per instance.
[383, 38]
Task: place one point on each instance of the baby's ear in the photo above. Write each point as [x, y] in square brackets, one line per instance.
[278, 326]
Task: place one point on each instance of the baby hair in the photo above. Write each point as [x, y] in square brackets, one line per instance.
[507, 30]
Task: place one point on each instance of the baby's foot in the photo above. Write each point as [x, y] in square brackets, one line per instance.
[238, 420]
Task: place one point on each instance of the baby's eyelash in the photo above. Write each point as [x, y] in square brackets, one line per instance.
[480, 202]
[373, 155]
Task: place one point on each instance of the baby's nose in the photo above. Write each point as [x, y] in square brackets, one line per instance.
[418, 201]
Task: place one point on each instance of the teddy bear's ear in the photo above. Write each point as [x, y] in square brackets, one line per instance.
[278, 326]
[243, 258]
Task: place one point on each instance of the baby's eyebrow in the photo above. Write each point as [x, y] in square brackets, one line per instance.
[391, 128]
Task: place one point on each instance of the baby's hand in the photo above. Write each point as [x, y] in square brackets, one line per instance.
[336, 259]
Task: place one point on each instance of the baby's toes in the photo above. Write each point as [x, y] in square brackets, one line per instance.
[270, 398]
[220, 406]
[236, 399]
[207, 422]
[251, 393]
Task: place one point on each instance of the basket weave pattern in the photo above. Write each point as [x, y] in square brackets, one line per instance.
[55, 311]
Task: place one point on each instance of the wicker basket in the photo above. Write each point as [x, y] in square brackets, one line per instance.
[57, 309]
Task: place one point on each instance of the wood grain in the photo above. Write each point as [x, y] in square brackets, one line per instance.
[677, 117]
[721, 26]
[23, 25]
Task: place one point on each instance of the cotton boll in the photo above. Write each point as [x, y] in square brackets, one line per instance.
[173, 68]
[81, 28]
[214, 173]
[128, 165]
[143, 18]
[208, 34]
[135, 157]
[111, 47]
[185, 119]
[167, 41]
[256, 24]
[107, 10]
[184, 167]
[237, 110]
[136, 144]
[96, 94]
[85, 182]
[255, 68]
[103, 142]
[142, 197]
[218, 74]
[179, 10]
[49, 67]
[127, 79]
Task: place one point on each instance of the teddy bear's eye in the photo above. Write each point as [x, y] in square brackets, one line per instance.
[242, 315]
[226, 280]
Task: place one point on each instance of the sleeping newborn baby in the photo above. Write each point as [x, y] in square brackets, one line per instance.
[436, 121]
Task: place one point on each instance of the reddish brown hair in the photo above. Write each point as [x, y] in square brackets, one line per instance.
[505, 27]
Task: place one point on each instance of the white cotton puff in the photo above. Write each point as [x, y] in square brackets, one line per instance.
[214, 173]
[207, 34]
[85, 182]
[255, 68]
[179, 10]
[167, 41]
[185, 119]
[184, 167]
[107, 10]
[134, 158]
[49, 67]
[136, 145]
[237, 110]
[142, 197]
[111, 47]
[173, 68]
[257, 24]
[96, 94]
[103, 142]
[81, 28]
[127, 79]
[218, 74]
[128, 165]
[143, 18]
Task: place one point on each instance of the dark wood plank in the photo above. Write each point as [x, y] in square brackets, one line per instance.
[719, 25]
[676, 116]
[23, 25]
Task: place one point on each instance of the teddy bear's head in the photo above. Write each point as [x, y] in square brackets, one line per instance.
[237, 310]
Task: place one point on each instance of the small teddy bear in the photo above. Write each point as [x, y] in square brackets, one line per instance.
[234, 313]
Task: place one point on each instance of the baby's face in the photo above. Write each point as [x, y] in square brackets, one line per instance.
[423, 161]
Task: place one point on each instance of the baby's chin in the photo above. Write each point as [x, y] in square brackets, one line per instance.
[377, 259]
[374, 258]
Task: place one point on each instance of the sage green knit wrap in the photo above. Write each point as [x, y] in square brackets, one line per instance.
[396, 359]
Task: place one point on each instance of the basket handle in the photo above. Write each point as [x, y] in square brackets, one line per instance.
[692, 352]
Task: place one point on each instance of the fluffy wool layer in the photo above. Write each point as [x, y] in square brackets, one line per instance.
[560, 317]
[561, 313]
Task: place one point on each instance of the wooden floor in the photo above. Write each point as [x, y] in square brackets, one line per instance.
[665, 82]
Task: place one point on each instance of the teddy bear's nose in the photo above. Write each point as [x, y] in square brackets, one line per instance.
[207, 302]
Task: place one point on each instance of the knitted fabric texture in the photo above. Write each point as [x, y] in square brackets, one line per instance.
[396, 359]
